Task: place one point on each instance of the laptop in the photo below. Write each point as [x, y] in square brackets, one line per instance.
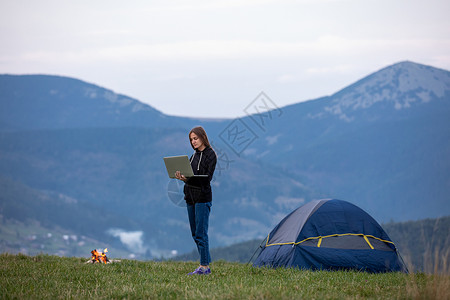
[180, 163]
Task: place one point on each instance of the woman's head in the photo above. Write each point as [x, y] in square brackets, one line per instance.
[198, 138]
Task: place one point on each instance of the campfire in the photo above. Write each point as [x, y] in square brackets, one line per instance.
[98, 257]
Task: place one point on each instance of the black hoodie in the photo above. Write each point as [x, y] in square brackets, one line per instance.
[198, 189]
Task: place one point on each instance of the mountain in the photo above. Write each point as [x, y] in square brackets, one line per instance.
[55, 102]
[120, 171]
[382, 95]
[45, 221]
[381, 143]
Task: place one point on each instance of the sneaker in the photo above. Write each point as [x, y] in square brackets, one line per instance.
[201, 271]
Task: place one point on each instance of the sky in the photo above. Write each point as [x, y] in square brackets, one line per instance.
[211, 58]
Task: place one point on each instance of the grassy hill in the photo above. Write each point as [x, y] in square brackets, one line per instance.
[51, 277]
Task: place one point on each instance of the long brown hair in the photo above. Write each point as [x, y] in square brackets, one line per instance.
[201, 133]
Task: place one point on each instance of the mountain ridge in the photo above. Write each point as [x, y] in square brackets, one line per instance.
[401, 85]
[70, 103]
[390, 162]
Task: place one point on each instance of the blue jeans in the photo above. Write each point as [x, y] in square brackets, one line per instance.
[198, 214]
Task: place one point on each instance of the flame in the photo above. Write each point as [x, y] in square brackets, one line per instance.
[98, 257]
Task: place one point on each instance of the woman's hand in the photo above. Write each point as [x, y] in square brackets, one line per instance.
[179, 176]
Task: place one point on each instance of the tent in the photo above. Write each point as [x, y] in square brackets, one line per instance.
[330, 235]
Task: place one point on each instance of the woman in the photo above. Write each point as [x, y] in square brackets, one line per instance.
[198, 195]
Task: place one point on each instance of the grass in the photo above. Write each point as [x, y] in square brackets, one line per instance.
[52, 277]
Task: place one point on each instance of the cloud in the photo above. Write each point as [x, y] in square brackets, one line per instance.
[131, 239]
[204, 50]
[232, 4]
[338, 69]
[287, 78]
[272, 139]
[289, 202]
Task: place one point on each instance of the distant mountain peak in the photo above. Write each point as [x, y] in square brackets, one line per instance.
[399, 86]
[121, 101]
[48, 101]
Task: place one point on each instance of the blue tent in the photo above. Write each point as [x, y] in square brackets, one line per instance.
[330, 235]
